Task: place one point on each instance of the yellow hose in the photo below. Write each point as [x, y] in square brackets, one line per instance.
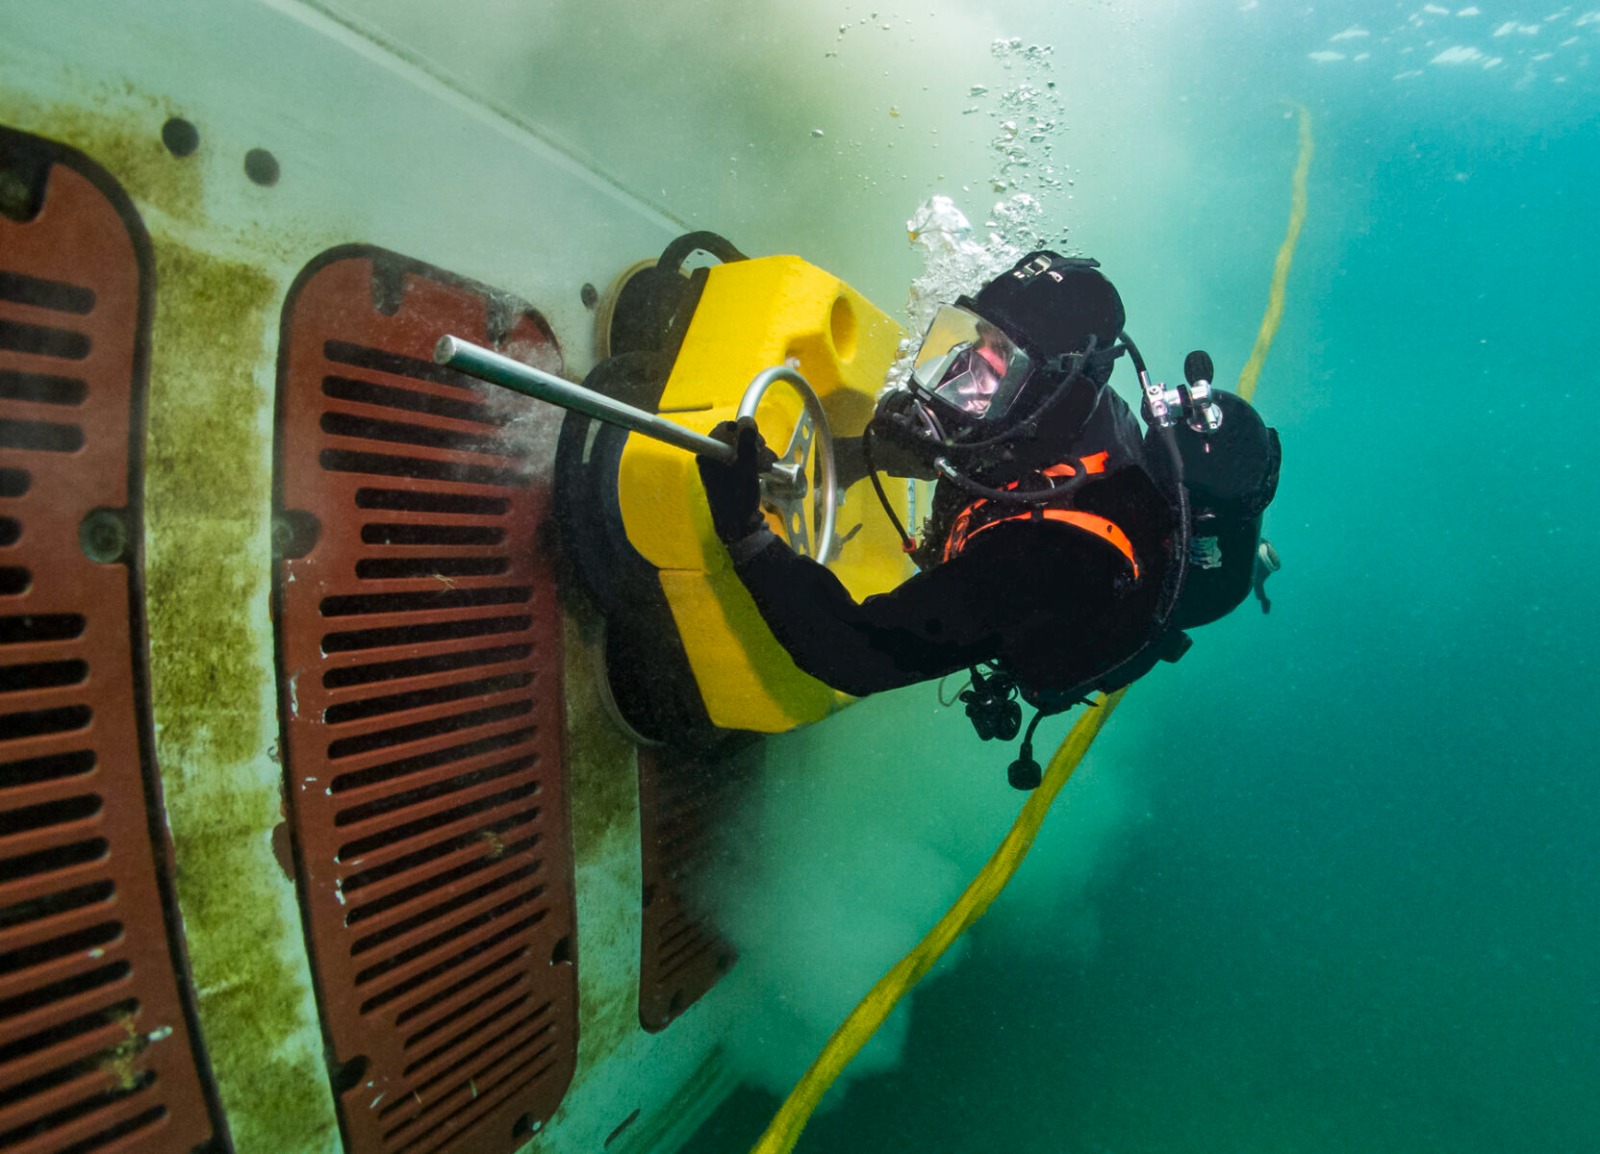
[864, 1020]
[855, 1031]
[1251, 372]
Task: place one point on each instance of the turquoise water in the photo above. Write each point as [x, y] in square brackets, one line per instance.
[1358, 905]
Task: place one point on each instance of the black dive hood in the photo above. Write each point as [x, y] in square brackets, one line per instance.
[1055, 307]
[1066, 316]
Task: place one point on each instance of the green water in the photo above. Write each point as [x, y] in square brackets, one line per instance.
[1351, 901]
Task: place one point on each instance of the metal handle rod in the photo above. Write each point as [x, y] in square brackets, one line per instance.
[488, 365]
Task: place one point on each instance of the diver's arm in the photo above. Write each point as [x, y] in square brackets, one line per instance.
[884, 643]
[859, 649]
[936, 622]
[1043, 598]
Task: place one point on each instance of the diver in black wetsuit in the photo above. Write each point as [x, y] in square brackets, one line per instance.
[1065, 552]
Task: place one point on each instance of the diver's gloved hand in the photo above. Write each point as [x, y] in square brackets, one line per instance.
[900, 444]
[734, 491]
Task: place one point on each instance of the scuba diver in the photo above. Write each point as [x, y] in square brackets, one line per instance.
[1065, 552]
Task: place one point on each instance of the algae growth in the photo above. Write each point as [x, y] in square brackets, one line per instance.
[120, 128]
[603, 787]
[210, 654]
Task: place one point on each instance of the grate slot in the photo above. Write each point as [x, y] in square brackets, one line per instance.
[40, 627]
[411, 981]
[116, 1132]
[62, 1033]
[407, 400]
[14, 581]
[430, 792]
[55, 997]
[359, 428]
[437, 568]
[66, 1115]
[492, 1003]
[41, 675]
[693, 951]
[493, 1094]
[423, 666]
[61, 946]
[90, 1066]
[460, 536]
[460, 1098]
[45, 294]
[43, 341]
[426, 501]
[40, 389]
[453, 905]
[426, 601]
[366, 847]
[421, 763]
[64, 811]
[445, 1063]
[422, 468]
[15, 483]
[426, 730]
[424, 698]
[474, 1023]
[444, 878]
[37, 722]
[51, 860]
[55, 904]
[397, 364]
[442, 1007]
[40, 436]
[50, 948]
[394, 636]
[479, 849]
[483, 840]
[448, 938]
[53, 767]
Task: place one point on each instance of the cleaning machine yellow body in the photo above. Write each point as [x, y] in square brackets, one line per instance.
[753, 315]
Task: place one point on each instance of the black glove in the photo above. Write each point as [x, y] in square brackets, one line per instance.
[734, 491]
[901, 446]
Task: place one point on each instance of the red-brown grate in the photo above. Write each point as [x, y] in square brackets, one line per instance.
[420, 665]
[96, 1041]
[684, 799]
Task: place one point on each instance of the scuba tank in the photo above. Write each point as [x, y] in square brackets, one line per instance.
[1227, 460]
[1231, 475]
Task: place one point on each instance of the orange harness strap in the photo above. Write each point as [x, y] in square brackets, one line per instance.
[1101, 527]
[1088, 522]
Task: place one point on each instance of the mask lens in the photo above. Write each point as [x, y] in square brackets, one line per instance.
[970, 365]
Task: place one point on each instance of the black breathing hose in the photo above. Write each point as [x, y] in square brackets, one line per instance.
[680, 250]
[906, 542]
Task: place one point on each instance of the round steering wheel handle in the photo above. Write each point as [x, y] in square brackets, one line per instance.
[786, 484]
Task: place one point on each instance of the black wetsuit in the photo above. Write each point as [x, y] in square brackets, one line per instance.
[1059, 606]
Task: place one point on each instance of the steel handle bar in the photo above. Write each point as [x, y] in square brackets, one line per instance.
[488, 365]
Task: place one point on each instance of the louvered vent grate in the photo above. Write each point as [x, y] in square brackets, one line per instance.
[420, 665]
[95, 1042]
[683, 801]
